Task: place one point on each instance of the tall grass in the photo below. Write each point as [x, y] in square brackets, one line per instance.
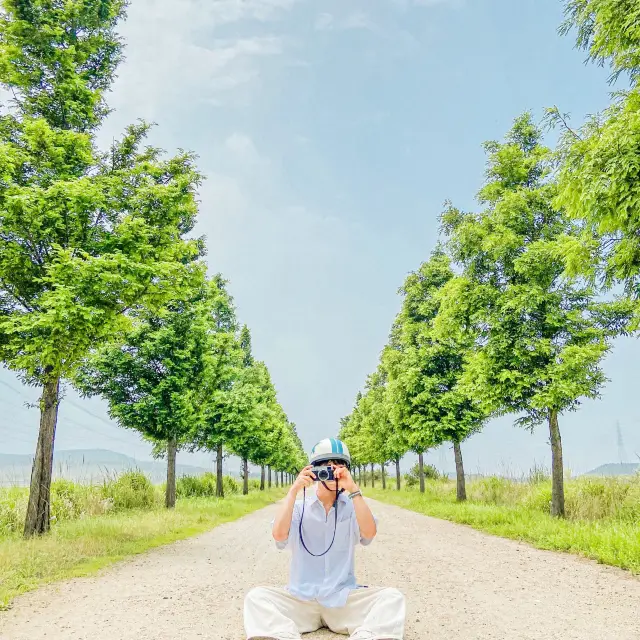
[586, 498]
[71, 500]
[130, 490]
[205, 486]
[602, 523]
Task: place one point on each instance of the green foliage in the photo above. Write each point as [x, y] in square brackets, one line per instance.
[72, 500]
[196, 486]
[590, 499]
[231, 485]
[538, 337]
[13, 507]
[59, 57]
[86, 237]
[205, 486]
[368, 431]
[608, 540]
[153, 380]
[610, 32]
[425, 368]
[131, 490]
[599, 162]
[598, 185]
[412, 478]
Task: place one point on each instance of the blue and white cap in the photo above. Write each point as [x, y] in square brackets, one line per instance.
[330, 449]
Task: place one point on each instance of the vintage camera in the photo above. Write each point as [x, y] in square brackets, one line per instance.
[322, 474]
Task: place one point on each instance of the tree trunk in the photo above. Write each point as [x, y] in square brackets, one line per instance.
[276, 475]
[398, 474]
[170, 495]
[245, 476]
[557, 467]
[384, 479]
[365, 474]
[269, 477]
[461, 488]
[282, 478]
[38, 509]
[421, 471]
[373, 477]
[262, 478]
[219, 480]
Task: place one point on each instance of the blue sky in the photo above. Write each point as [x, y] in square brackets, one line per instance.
[331, 133]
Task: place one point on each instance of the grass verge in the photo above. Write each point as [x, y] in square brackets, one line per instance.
[81, 547]
[608, 541]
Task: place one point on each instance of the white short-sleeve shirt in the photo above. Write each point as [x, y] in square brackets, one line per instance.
[328, 578]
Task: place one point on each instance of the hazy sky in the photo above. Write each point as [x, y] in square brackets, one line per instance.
[331, 133]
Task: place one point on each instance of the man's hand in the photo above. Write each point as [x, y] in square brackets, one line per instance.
[345, 480]
[282, 522]
[304, 480]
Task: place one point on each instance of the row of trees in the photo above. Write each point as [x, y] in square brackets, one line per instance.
[514, 311]
[100, 282]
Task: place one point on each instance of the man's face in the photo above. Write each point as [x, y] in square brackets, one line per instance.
[331, 484]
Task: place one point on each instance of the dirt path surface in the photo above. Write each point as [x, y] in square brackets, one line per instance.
[460, 585]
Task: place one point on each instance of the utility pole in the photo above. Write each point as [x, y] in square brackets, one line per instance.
[622, 456]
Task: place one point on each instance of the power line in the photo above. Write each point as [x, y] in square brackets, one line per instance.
[71, 421]
[622, 454]
[93, 415]
[6, 384]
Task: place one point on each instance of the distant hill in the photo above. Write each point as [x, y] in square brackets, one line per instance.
[615, 469]
[88, 465]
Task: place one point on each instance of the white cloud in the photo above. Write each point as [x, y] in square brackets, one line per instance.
[251, 223]
[242, 146]
[405, 4]
[324, 21]
[433, 3]
[356, 20]
[174, 52]
[359, 20]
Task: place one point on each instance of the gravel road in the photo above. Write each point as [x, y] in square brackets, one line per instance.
[460, 584]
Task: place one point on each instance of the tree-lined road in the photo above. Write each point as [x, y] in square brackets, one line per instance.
[459, 584]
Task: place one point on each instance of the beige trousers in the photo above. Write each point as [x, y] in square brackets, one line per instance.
[370, 614]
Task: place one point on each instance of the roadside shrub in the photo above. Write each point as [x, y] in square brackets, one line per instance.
[13, 508]
[131, 490]
[412, 479]
[538, 474]
[498, 491]
[230, 485]
[69, 500]
[196, 486]
[205, 486]
[604, 498]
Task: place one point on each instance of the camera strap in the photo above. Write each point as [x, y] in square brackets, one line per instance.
[335, 526]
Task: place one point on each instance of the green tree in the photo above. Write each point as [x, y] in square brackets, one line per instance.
[599, 173]
[85, 236]
[609, 30]
[223, 369]
[154, 381]
[425, 369]
[354, 434]
[539, 338]
[385, 443]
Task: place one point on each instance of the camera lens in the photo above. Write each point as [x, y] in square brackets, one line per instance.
[323, 475]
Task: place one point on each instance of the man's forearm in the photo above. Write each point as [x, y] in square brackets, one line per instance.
[282, 523]
[366, 522]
